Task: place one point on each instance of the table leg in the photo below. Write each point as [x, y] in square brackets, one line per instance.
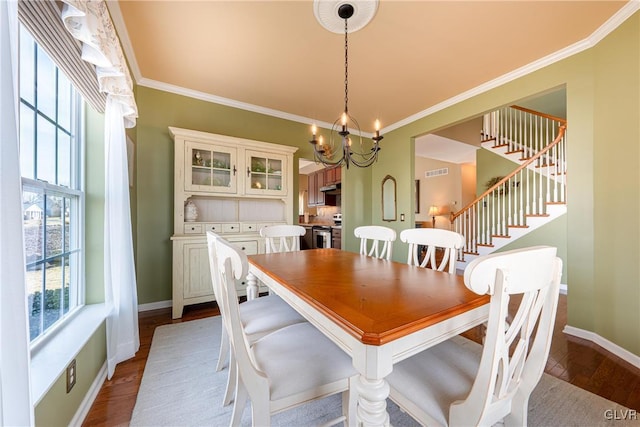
[252, 287]
[372, 402]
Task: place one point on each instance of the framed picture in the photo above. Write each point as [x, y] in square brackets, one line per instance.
[417, 193]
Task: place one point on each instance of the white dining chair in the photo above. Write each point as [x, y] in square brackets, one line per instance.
[432, 238]
[376, 240]
[259, 316]
[286, 368]
[282, 238]
[453, 384]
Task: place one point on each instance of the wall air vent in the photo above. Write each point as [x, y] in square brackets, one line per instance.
[436, 172]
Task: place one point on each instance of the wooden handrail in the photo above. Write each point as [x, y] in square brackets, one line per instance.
[537, 113]
[513, 173]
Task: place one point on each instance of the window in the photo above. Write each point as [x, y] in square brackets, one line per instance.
[50, 161]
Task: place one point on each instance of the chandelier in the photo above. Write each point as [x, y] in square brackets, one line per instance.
[344, 146]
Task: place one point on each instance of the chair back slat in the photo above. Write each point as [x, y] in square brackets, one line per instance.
[376, 240]
[282, 238]
[428, 241]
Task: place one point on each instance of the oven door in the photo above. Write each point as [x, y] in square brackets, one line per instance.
[321, 238]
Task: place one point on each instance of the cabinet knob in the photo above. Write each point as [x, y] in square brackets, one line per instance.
[243, 248]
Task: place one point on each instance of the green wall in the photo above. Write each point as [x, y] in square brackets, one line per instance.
[602, 109]
[603, 96]
[154, 172]
[616, 129]
[602, 223]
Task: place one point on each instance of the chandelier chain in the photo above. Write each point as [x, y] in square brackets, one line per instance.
[346, 67]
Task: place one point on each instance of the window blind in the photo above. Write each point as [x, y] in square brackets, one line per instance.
[42, 19]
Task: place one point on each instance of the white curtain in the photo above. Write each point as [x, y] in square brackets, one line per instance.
[15, 393]
[89, 22]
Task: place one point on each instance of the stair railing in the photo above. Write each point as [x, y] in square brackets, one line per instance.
[536, 183]
[520, 129]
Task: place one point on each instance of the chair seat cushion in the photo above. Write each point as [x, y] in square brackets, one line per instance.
[435, 378]
[300, 358]
[263, 315]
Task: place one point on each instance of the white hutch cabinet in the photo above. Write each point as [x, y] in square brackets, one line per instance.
[237, 187]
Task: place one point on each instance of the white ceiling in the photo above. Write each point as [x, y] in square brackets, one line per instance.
[415, 57]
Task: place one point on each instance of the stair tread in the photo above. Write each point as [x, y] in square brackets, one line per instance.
[518, 226]
[515, 151]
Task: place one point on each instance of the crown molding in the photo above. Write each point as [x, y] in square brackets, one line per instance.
[179, 90]
[123, 35]
[611, 24]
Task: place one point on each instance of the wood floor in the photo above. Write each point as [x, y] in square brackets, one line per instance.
[571, 359]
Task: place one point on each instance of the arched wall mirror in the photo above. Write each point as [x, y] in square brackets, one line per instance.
[389, 198]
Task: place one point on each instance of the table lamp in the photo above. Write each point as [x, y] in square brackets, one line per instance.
[433, 211]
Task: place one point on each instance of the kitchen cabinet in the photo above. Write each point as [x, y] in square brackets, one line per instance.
[210, 168]
[235, 186]
[306, 242]
[316, 181]
[336, 237]
[265, 174]
[332, 176]
[316, 197]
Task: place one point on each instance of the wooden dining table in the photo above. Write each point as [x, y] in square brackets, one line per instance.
[379, 312]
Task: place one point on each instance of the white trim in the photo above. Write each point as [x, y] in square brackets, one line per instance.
[123, 35]
[155, 305]
[563, 289]
[613, 348]
[606, 28]
[178, 90]
[85, 405]
[612, 23]
[52, 358]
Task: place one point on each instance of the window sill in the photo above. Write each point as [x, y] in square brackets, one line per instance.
[50, 359]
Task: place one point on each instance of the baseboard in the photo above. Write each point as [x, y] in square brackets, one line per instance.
[605, 344]
[91, 395]
[155, 305]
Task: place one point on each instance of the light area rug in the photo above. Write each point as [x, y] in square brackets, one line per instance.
[181, 388]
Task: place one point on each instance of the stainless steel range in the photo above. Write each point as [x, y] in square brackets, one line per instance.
[321, 236]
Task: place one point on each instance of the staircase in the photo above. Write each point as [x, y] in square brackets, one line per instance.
[533, 194]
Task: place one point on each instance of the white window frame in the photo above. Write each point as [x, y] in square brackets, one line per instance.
[75, 192]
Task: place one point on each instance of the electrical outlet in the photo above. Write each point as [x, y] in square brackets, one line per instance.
[71, 375]
[401, 217]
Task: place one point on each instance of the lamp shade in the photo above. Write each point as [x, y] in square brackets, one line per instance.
[433, 211]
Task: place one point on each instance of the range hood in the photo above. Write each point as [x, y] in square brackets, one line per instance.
[331, 189]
